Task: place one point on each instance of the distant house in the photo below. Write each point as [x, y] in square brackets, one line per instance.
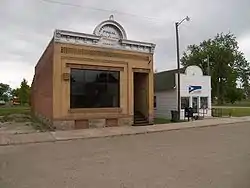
[2, 102]
[16, 101]
[195, 92]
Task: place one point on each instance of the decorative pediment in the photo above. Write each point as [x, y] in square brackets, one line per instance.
[110, 29]
[108, 33]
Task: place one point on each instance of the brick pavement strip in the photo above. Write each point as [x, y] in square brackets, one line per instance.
[14, 139]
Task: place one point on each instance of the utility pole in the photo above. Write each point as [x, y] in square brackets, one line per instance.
[178, 71]
[208, 66]
[178, 65]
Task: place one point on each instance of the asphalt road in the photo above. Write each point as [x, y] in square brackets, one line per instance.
[216, 157]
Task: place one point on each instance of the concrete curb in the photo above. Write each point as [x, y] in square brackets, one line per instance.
[18, 139]
[30, 138]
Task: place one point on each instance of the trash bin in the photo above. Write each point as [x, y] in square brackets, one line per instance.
[191, 112]
[187, 112]
[174, 116]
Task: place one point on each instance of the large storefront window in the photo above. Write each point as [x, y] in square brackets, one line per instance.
[204, 102]
[184, 102]
[94, 88]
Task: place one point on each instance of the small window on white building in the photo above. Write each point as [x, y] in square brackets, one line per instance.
[204, 102]
[184, 102]
[154, 101]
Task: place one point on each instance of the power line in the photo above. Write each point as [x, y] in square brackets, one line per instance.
[102, 10]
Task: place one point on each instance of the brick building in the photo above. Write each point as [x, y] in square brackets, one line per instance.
[94, 80]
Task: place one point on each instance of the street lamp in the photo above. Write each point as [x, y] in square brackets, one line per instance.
[178, 63]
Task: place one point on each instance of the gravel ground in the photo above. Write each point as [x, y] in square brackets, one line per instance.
[196, 158]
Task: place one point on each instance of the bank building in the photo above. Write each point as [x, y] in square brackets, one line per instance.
[94, 80]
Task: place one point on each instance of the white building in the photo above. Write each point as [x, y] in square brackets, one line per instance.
[195, 92]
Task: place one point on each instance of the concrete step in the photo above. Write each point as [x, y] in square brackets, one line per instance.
[141, 121]
[141, 124]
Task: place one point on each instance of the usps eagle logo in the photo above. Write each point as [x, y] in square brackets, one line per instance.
[193, 89]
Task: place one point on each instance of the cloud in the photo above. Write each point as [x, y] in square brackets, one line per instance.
[244, 44]
[28, 26]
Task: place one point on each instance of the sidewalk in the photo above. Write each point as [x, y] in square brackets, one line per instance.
[16, 139]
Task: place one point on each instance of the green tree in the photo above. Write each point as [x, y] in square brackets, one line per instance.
[246, 85]
[4, 91]
[226, 66]
[234, 95]
[24, 92]
[15, 92]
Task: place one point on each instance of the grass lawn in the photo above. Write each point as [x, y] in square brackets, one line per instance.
[236, 112]
[21, 114]
[161, 121]
[238, 109]
[4, 111]
[165, 121]
[243, 103]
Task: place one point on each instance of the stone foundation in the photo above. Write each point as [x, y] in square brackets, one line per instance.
[111, 122]
[85, 123]
[97, 123]
[81, 124]
[64, 125]
[92, 123]
[128, 121]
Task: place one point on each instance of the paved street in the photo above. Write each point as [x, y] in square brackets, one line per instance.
[196, 158]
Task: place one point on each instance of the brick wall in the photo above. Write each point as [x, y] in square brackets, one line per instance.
[42, 85]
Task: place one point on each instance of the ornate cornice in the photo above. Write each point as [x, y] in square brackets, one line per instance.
[70, 37]
[74, 37]
[140, 46]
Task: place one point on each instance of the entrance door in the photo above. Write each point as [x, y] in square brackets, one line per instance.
[195, 104]
[141, 97]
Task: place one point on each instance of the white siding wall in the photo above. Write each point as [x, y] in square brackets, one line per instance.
[165, 102]
[197, 80]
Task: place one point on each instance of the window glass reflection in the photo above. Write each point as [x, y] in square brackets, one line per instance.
[94, 88]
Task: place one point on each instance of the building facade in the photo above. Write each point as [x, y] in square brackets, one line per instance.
[94, 80]
[195, 92]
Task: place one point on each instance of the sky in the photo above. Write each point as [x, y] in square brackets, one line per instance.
[28, 25]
